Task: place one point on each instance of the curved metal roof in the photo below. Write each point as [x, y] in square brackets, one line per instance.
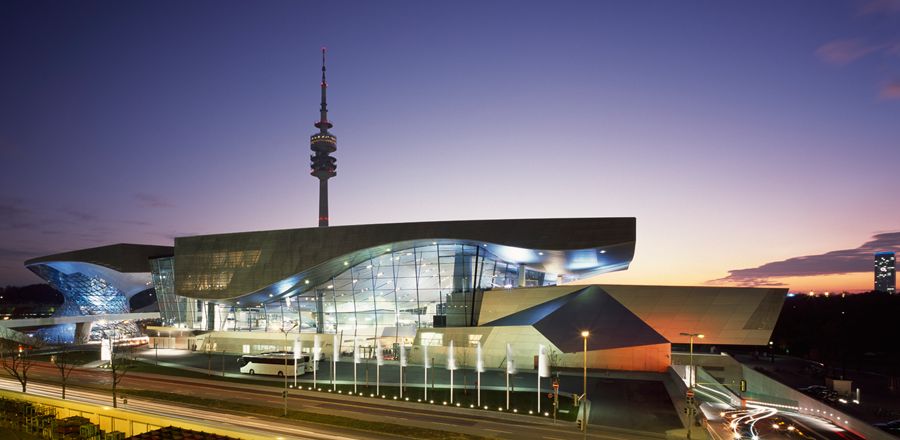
[255, 265]
[122, 257]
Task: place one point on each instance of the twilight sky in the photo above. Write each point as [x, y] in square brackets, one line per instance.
[757, 143]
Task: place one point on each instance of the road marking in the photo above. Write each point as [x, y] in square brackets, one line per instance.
[497, 430]
[553, 438]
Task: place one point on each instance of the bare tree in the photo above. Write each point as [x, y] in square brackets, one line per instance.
[17, 361]
[65, 363]
[120, 361]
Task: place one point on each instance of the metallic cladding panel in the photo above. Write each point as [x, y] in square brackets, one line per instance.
[229, 266]
[561, 320]
[724, 315]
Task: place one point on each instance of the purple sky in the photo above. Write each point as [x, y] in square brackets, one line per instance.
[739, 134]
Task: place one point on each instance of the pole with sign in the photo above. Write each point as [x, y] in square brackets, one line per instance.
[555, 397]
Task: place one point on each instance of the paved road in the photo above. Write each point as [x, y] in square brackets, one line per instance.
[488, 424]
[252, 425]
[635, 401]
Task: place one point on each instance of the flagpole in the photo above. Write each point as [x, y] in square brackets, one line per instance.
[479, 366]
[379, 359]
[317, 349]
[425, 367]
[298, 347]
[451, 365]
[336, 353]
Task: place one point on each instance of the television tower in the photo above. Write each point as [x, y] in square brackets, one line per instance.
[322, 164]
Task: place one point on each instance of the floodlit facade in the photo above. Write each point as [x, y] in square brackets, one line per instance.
[490, 282]
[885, 272]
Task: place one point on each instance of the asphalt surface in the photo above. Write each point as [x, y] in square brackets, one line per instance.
[627, 403]
[484, 423]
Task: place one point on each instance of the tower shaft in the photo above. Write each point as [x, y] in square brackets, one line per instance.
[323, 165]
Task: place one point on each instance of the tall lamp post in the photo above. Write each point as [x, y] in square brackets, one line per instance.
[692, 335]
[584, 335]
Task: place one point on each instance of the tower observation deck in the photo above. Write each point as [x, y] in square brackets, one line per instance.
[322, 164]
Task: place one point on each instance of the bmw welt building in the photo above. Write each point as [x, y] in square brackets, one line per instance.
[493, 282]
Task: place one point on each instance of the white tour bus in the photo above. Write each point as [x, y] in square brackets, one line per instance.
[275, 363]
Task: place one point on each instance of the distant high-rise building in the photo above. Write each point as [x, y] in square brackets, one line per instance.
[885, 272]
[322, 164]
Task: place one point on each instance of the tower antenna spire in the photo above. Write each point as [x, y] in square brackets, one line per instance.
[323, 111]
[323, 165]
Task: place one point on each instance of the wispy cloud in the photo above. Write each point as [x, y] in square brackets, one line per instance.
[879, 7]
[79, 215]
[152, 201]
[15, 215]
[842, 52]
[890, 90]
[830, 263]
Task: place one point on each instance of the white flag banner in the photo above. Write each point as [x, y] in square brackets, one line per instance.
[479, 360]
[317, 348]
[510, 361]
[543, 362]
[451, 357]
[402, 355]
[356, 356]
[379, 354]
[336, 348]
[426, 361]
[298, 348]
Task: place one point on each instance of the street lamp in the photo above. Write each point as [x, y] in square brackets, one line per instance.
[692, 335]
[584, 334]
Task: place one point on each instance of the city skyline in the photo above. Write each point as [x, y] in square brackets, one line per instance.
[202, 129]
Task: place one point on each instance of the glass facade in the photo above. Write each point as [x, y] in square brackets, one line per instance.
[437, 285]
[85, 294]
[174, 310]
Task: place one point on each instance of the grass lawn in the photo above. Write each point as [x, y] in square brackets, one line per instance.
[465, 396]
[75, 357]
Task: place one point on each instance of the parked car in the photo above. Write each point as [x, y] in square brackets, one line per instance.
[813, 389]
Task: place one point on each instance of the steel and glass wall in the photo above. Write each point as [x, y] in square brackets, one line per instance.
[174, 310]
[84, 294]
[389, 295]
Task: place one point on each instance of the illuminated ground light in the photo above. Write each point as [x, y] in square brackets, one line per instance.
[546, 414]
[515, 410]
[530, 412]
